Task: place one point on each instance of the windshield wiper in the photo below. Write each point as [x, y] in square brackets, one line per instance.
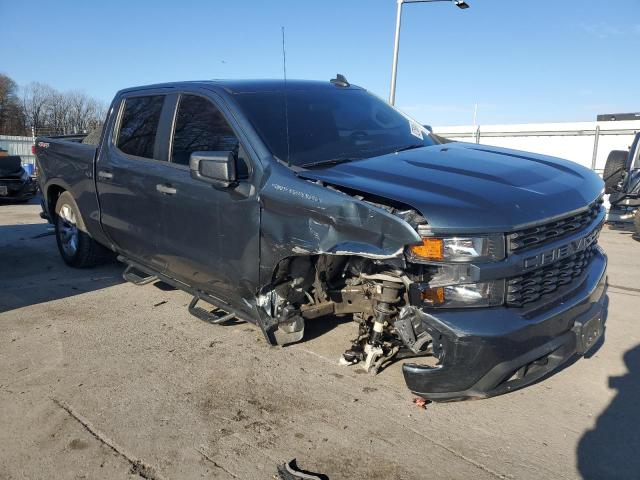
[331, 161]
[409, 147]
[336, 161]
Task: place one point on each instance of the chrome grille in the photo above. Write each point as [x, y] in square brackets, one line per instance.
[533, 285]
[546, 232]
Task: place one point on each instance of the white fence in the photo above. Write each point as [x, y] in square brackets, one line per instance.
[587, 143]
[18, 146]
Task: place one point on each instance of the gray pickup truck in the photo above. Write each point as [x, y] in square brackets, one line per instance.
[284, 203]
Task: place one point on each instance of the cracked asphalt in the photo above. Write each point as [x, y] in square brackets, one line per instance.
[100, 379]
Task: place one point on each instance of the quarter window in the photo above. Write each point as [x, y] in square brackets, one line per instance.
[139, 125]
[200, 127]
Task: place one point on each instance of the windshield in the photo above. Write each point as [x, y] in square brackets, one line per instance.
[330, 125]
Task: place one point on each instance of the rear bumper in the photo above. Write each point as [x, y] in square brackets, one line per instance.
[492, 351]
[19, 191]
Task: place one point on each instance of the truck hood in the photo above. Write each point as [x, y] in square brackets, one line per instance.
[469, 188]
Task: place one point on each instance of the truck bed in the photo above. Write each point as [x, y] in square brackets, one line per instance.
[68, 163]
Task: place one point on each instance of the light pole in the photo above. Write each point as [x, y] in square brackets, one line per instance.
[396, 46]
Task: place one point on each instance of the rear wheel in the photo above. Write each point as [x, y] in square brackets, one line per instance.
[76, 247]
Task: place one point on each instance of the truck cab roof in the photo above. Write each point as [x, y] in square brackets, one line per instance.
[246, 86]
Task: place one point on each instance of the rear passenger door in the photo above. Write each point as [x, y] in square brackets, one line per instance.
[130, 166]
[211, 234]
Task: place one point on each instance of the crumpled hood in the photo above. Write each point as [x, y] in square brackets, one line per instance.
[469, 188]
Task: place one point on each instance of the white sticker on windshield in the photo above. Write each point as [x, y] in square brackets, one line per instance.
[416, 130]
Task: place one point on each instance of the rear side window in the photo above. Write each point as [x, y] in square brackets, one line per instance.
[200, 127]
[139, 125]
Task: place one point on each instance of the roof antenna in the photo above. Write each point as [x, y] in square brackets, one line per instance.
[340, 80]
[286, 105]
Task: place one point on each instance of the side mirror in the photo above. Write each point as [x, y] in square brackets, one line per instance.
[216, 168]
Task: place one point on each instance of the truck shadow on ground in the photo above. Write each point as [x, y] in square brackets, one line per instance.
[317, 327]
[32, 272]
[610, 450]
[624, 228]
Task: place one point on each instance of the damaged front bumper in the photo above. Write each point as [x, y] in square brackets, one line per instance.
[497, 350]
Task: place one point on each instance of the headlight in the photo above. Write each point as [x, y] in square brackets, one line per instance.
[486, 248]
[451, 260]
[485, 294]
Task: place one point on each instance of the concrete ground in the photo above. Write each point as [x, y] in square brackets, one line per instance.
[102, 379]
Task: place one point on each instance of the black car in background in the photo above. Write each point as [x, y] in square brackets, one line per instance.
[16, 184]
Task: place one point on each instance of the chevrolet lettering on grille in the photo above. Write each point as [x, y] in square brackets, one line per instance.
[564, 251]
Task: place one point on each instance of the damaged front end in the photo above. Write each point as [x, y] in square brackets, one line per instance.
[342, 254]
[374, 292]
[489, 312]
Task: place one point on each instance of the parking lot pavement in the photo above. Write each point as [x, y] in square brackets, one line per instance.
[103, 379]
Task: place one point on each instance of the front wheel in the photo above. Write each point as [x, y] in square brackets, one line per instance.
[75, 245]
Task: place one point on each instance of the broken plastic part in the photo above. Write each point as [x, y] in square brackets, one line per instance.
[290, 331]
[291, 471]
[373, 353]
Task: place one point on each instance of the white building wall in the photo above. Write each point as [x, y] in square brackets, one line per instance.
[18, 146]
[574, 141]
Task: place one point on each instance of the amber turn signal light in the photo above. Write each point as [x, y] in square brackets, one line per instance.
[431, 248]
[433, 296]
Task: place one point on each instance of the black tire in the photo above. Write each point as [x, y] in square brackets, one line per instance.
[614, 169]
[84, 252]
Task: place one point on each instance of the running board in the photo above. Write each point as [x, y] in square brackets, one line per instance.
[223, 313]
[215, 317]
[137, 277]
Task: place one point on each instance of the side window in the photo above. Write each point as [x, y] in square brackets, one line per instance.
[200, 127]
[139, 125]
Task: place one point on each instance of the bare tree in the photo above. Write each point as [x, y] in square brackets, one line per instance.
[45, 111]
[85, 113]
[36, 104]
[11, 115]
[50, 112]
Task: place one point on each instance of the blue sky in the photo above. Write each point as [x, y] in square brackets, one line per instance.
[521, 61]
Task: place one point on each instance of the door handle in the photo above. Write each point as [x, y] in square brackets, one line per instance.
[166, 189]
[104, 175]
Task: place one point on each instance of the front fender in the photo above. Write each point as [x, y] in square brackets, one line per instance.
[300, 217]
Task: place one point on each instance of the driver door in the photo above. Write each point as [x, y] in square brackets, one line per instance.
[211, 235]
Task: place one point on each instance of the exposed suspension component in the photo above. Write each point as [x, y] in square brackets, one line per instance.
[375, 344]
[375, 293]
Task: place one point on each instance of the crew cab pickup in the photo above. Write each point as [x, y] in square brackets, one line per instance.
[287, 203]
